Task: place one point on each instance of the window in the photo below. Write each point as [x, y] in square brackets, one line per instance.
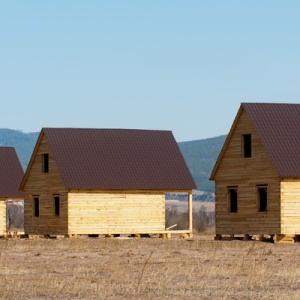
[232, 199]
[262, 195]
[247, 145]
[36, 206]
[56, 205]
[45, 162]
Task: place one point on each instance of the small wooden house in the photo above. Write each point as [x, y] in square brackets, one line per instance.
[102, 181]
[257, 174]
[11, 174]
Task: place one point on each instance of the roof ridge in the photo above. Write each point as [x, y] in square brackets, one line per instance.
[94, 128]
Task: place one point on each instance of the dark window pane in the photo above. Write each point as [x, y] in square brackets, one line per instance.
[45, 163]
[247, 145]
[233, 200]
[36, 207]
[263, 199]
[56, 206]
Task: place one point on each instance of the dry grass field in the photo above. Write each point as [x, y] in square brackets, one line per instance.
[182, 206]
[148, 268]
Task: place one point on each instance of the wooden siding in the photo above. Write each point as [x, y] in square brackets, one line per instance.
[290, 206]
[114, 212]
[39, 181]
[246, 174]
[2, 216]
[44, 186]
[46, 222]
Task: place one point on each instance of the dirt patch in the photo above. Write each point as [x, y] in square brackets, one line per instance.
[99, 268]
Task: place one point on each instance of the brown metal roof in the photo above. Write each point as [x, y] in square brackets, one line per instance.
[11, 173]
[119, 159]
[278, 126]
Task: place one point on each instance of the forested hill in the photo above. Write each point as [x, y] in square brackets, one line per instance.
[199, 155]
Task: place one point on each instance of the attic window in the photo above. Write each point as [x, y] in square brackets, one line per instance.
[262, 196]
[247, 145]
[45, 162]
[232, 199]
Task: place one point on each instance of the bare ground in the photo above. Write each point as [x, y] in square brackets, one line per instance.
[148, 268]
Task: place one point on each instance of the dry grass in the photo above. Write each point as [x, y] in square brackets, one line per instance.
[150, 268]
[182, 206]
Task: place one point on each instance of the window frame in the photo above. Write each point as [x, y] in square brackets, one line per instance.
[231, 200]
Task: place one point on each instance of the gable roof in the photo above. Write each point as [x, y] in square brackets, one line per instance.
[278, 127]
[11, 173]
[118, 159]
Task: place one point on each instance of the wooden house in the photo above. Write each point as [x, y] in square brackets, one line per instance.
[11, 174]
[257, 174]
[102, 181]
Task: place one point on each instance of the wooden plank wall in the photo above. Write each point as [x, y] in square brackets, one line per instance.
[114, 212]
[45, 185]
[246, 174]
[37, 180]
[47, 222]
[2, 216]
[290, 206]
[248, 220]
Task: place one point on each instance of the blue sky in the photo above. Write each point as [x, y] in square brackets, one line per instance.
[173, 65]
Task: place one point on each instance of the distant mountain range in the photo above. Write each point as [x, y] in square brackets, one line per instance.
[199, 155]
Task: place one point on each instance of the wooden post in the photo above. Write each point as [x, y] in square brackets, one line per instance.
[190, 195]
